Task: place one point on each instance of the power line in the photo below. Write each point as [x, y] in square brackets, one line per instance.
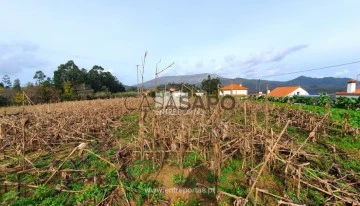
[308, 70]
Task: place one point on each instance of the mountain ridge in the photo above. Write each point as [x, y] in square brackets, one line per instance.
[316, 85]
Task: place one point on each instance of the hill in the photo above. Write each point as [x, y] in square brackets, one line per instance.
[319, 85]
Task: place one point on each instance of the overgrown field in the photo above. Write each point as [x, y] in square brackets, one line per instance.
[351, 116]
[100, 153]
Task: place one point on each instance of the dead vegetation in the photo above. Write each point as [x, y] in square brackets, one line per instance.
[269, 142]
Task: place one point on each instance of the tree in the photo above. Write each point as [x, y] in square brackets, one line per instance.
[4, 101]
[6, 81]
[1, 88]
[83, 91]
[132, 89]
[111, 83]
[69, 92]
[39, 76]
[19, 98]
[42, 93]
[68, 72]
[99, 80]
[94, 78]
[210, 85]
[47, 83]
[16, 85]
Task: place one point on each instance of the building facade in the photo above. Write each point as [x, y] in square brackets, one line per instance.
[233, 90]
[288, 91]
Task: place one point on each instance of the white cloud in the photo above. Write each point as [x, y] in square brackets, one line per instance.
[342, 73]
[233, 66]
[14, 58]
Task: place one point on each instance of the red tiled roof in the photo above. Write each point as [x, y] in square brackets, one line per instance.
[357, 92]
[282, 91]
[233, 87]
[352, 81]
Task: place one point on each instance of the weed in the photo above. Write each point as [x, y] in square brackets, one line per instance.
[140, 168]
[316, 197]
[9, 197]
[142, 190]
[191, 202]
[179, 179]
[210, 177]
[192, 160]
[91, 194]
[349, 163]
[240, 191]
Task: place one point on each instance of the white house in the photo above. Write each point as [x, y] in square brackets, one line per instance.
[288, 91]
[351, 91]
[169, 98]
[178, 94]
[234, 90]
[199, 93]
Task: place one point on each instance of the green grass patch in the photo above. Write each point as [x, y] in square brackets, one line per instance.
[140, 169]
[192, 159]
[345, 143]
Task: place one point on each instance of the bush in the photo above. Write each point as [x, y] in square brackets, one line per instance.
[125, 94]
[4, 101]
[345, 103]
[323, 100]
[102, 95]
[303, 100]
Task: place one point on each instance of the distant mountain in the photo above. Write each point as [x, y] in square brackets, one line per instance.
[326, 84]
[317, 85]
[191, 79]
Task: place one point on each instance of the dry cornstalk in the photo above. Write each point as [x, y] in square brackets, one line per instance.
[267, 159]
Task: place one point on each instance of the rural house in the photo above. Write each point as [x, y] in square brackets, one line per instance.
[288, 91]
[199, 93]
[234, 90]
[351, 91]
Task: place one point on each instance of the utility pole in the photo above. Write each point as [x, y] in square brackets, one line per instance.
[191, 89]
[142, 73]
[158, 72]
[137, 79]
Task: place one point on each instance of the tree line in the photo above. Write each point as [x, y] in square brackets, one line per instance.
[69, 82]
[209, 86]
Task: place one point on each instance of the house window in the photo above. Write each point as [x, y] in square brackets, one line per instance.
[297, 93]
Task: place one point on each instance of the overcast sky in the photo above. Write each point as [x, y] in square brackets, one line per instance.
[231, 38]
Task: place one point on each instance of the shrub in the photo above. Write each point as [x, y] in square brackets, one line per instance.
[125, 94]
[345, 103]
[323, 100]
